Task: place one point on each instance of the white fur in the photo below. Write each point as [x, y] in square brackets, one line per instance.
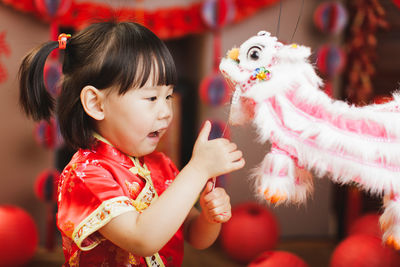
[307, 140]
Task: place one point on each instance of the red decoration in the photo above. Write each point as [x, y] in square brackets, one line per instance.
[45, 189]
[46, 185]
[367, 17]
[214, 90]
[328, 88]
[367, 224]
[217, 13]
[277, 258]
[364, 250]
[164, 22]
[52, 73]
[54, 8]
[251, 230]
[47, 134]
[331, 60]
[354, 206]
[381, 99]
[397, 3]
[330, 17]
[18, 236]
[4, 50]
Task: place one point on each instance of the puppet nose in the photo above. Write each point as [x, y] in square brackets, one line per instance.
[233, 54]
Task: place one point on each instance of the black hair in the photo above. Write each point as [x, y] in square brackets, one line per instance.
[120, 55]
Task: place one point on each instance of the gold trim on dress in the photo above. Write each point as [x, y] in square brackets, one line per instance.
[108, 210]
[145, 197]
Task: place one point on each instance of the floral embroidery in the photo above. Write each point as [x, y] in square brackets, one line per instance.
[71, 185]
[68, 228]
[98, 218]
[133, 189]
[133, 259]
[168, 182]
[74, 259]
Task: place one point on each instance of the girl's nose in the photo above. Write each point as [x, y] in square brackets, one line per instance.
[165, 110]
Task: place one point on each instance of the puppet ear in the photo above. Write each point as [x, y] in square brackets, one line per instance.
[92, 102]
[294, 53]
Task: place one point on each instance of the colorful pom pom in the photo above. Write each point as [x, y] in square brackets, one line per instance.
[261, 74]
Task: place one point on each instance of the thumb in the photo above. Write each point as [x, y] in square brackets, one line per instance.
[205, 132]
[208, 188]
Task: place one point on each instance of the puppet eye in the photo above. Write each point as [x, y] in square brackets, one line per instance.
[254, 53]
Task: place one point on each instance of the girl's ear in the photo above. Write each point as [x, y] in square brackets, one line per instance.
[92, 102]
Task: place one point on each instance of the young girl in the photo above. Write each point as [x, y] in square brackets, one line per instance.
[120, 203]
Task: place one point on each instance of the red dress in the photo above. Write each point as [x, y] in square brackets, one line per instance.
[100, 184]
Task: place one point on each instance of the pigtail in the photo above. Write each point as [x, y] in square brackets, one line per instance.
[34, 97]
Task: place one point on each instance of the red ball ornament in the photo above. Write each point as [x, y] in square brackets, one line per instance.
[47, 134]
[330, 60]
[364, 250]
[277, 258]
[52, 73]
[46, 185]
[217, 13]
[214, 90]
[52, 8]
[18, 236]
[251, 230]
[330, 17]
[367, 224]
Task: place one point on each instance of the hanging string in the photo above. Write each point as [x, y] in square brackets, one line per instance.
[277, 34]
[279, 19]
[298, 20]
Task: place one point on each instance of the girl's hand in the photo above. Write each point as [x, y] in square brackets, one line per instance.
[215, 204]
[215, 157]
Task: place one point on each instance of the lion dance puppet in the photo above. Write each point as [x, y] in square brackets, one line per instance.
[278, 89]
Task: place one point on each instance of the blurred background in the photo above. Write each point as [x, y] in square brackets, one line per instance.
[356, 50]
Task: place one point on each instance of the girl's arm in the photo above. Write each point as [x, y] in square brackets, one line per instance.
[146, 233]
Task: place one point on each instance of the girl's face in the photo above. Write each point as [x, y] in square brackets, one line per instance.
[135, 121]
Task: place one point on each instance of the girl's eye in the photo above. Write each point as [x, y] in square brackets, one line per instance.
[170, 97]
[153, 98]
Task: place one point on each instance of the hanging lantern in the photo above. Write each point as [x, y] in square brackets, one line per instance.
[45, 187]
[217, 13]
[52, 74]
[252, 230]
[52, 8]
[330, 17]
[330, 60]
[363, 250]
[18, 236]
[214, 90]
[47, 134]
[277, 258]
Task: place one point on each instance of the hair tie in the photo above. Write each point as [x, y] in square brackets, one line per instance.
[62, 40]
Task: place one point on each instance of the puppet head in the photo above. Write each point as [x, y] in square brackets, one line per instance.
[261, 68]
